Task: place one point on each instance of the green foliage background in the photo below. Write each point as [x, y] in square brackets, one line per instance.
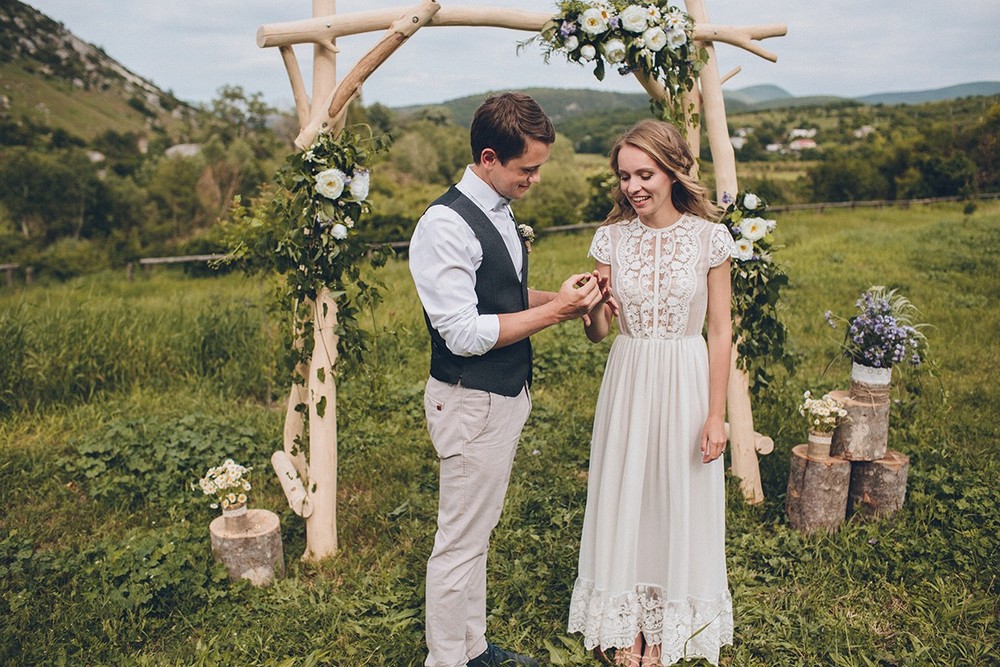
[124, 392]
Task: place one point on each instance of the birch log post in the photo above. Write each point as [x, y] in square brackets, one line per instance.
[817, 491]
[742, 451]
[878, 488]
[337, 100]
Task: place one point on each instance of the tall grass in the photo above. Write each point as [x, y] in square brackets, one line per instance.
[104, 555]
[95, 334]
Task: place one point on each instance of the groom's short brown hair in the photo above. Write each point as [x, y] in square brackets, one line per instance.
[505, 122]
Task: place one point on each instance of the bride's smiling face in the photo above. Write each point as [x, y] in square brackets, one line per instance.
[647, 185]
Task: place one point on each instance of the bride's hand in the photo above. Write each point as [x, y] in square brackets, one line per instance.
[713, 439]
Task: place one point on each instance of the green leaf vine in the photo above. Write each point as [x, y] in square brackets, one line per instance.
[758, 332]
[305, 228]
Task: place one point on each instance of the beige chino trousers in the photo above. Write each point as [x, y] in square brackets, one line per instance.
[475, 434]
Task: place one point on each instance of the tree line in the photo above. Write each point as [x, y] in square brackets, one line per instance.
[71, 206]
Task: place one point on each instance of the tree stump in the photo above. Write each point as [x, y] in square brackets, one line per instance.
[249, 546]
[878, 488]
[864, 434]
[817, 491]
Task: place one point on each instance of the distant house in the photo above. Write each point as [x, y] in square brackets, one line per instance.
[183, 150]
[801, 144]
[738, 142]
[863, 131]
[800, 133]
[774, 148]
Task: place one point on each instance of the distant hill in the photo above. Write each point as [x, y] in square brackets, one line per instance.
[565, 104]
[51, 77]
[935, 95]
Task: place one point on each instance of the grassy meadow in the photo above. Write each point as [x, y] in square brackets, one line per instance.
[115, 397]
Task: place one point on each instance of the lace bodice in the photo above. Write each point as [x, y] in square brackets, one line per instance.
[659, 276]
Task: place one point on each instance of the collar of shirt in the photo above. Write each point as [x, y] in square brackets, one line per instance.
[482, 193]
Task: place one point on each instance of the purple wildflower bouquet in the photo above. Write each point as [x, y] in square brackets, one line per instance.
[883, 333]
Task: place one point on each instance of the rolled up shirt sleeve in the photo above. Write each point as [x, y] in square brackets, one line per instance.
[444, 256]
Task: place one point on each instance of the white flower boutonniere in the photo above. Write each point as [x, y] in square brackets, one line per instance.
[527, 235]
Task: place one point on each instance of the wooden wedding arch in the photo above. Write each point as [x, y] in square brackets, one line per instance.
[310, 483]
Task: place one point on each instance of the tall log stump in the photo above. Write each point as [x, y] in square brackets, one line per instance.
[878, 488]
[817, 491]
[864, 434]
[249, 546]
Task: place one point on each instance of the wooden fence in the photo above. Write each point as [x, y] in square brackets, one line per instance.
[147, 263]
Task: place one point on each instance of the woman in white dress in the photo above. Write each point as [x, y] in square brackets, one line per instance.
[652, 581]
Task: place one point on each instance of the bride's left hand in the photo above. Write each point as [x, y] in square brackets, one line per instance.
[713, 439]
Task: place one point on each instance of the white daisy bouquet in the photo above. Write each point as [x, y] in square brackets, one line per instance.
[650, 36]
[822, 414]
[227, 484]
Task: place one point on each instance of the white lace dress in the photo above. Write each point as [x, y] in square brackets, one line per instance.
[652, 554]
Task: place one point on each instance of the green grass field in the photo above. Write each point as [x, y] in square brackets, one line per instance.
[115, 397]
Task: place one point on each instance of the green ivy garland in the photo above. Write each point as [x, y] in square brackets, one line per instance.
[650, 36]
[305, 229]
[759, 333]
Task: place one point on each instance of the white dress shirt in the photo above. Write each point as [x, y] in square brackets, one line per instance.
[444, 257]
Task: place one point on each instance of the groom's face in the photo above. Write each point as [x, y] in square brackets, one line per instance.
[512, 180]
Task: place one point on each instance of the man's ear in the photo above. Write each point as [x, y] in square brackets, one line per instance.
[488, 157]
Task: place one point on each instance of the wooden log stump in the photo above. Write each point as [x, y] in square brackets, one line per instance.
[864, 434]
[817, 491]
[878, 488]
[249, 546]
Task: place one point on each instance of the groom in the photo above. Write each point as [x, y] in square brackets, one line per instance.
[470, 267]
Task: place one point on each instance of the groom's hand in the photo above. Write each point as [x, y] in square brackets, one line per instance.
[578, 295]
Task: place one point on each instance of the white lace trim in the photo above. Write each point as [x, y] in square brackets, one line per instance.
[690, 628]
[723, 245]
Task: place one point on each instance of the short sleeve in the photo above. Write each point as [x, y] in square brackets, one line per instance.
[722, 245]
[600, 247]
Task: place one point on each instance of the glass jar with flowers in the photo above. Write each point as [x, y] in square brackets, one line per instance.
[822, 415]
[229, 486]
[881, 335]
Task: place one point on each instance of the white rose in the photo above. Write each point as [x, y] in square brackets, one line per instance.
[587, 52]
[654, 39]
[677, 38]
[744, 250]
[359, 185]
[770, 224]
[633, 18]
[753, 228]
[614, 50]
[593, 21]
[338, 231]
[330, 183]
[570, 43]
[750, 201]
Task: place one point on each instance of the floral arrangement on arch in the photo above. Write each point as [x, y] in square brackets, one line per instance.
[822, 414]
[227, 484]
[758, 332]
[650, 36]
[883, 333]
[306, 229]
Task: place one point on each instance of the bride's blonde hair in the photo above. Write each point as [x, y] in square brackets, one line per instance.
[664, 144]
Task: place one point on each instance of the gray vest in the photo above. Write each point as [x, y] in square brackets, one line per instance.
[499, 289]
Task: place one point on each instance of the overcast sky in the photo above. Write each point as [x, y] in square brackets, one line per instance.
[849, 47]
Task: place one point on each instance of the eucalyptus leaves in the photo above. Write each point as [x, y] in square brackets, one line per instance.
[758, 332]
[649, 36]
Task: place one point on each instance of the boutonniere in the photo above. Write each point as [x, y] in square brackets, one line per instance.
[527, 235]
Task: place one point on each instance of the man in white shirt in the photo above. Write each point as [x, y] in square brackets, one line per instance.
[469, 265]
